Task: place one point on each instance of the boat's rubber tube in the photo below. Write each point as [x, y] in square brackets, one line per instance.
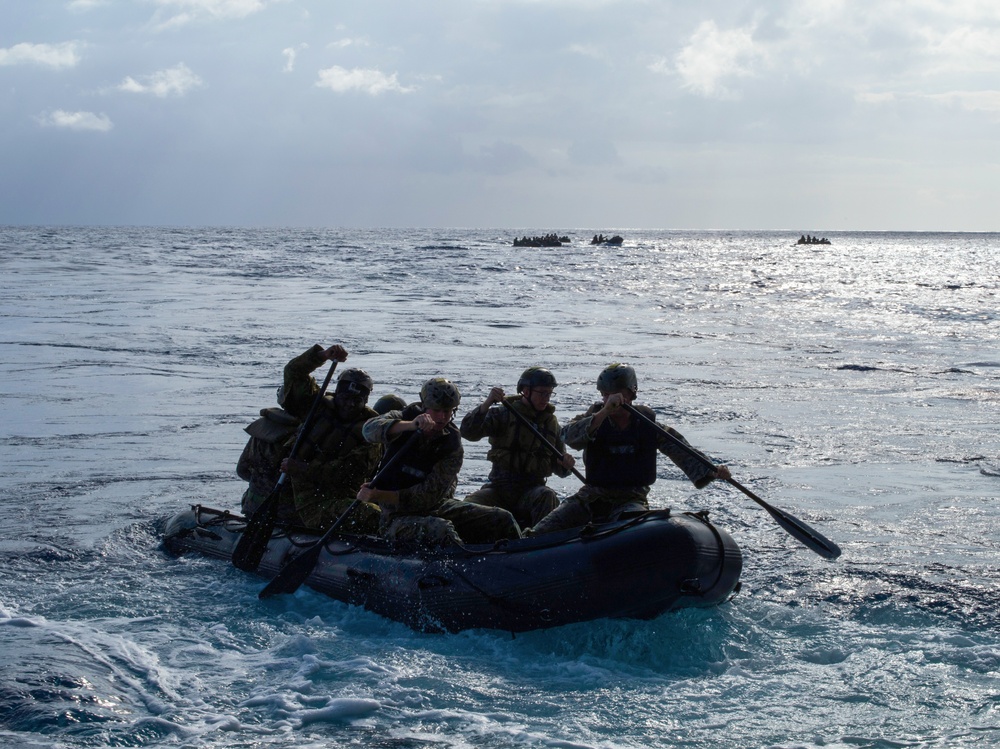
[638, 567]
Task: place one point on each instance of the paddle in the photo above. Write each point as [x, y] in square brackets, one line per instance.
[295, 572]
[253, 543]
[533, 428]
[795, 527]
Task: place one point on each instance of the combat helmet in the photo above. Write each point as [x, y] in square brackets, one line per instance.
[536, 377]
[440, 394]
[618, 377]
[355, 380]
[387, 403]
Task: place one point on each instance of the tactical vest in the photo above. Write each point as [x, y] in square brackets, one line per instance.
[517, 452]
[260, 462]
[329, 437]
[275, 425]
[621, 458]
[413, 467]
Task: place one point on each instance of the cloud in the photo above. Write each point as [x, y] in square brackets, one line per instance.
[86, 4]
[713, 55]
[593, 51]
[175, 81]
[348, 42]
[970, 101]
[593, 152]
[503, 157]
[51, 55]
[871, 97]
[188, 11]
[965, 50]
[290, 54]
[76, 120]
[370, 81]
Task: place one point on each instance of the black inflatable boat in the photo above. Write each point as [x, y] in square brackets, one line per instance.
[638, 567]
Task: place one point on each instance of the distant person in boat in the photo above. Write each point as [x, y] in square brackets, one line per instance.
[619, 452]
[333, 459]
[417, 497]
[521, 462]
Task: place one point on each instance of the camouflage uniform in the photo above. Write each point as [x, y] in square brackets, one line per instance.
[260, 462]
[339, 459]
[621, 466]
[521, 462]
[426, 478]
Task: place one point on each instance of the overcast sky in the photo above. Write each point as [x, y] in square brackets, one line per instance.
[806, 115]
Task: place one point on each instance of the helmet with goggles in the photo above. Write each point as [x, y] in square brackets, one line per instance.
[355, 381]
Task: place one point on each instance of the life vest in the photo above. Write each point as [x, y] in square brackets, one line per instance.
[516, 452]
[329, 437]
[339, 459]
[275, 425]
[620, 458]
[260, 462]
[413, 467]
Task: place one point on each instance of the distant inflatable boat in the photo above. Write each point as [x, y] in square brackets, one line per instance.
[638, 567]
[805, 239]
[547, 240]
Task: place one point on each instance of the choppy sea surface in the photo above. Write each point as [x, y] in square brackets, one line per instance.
[856, 386]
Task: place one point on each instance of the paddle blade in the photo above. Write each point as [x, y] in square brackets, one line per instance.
[795, 527]
[294, 573]
[253, 542]
[792, 525]
[807, 535]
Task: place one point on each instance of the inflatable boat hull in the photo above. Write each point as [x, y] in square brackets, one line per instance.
[639, 567]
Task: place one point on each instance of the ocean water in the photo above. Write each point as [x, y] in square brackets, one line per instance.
[856, 386]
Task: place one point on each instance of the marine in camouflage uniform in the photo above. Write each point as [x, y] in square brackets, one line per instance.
[333, 459]
[521, 461]
[619, 452]
[417, 494]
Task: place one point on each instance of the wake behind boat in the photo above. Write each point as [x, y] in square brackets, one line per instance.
[638, 567]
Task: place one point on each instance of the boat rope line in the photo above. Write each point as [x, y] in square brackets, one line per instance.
[208, 517]
[501, 602]
[220, 516]
[509, 605]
